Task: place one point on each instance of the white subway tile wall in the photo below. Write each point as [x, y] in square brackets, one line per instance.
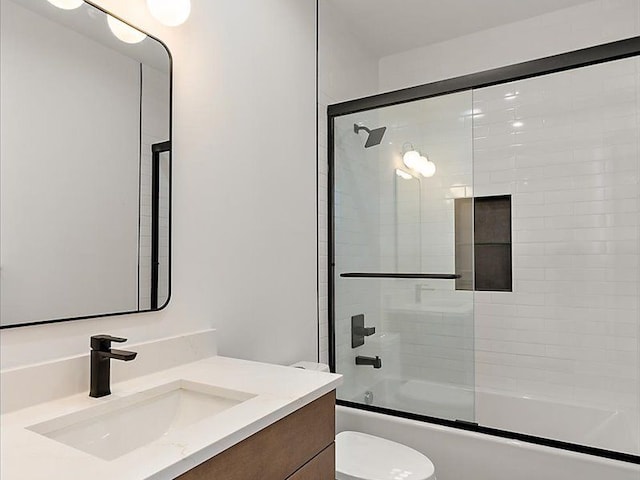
[434, 323]
[357, 245]
[144, 256]
[428, 339]
[567, 148]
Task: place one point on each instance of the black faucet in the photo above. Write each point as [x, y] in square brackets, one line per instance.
[101, 355]
[374, 362]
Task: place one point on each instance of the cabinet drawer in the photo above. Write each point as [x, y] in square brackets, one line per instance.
[277, 451]
[322, 467]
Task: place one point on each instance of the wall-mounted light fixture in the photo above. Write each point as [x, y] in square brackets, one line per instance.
[66, 4]
[417, 162]
[402, 174]
[411, 158]
[170, 12]
[427, 168]
[124, 32]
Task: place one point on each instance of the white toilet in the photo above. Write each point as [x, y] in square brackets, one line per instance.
[360, 456]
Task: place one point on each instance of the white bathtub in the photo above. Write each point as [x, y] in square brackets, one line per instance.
[580, 424]
[426, 398]
[463, 455]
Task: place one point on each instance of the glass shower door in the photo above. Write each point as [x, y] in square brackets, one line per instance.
[402, 275]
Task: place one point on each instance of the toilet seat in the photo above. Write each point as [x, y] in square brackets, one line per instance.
[360, 456]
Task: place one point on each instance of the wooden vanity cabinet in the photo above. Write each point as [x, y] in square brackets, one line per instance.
[298, 447]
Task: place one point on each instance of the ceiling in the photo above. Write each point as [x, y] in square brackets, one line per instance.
[392, 26]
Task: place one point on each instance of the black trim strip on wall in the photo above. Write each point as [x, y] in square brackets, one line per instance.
[566, 61]
[317, 85]
[474, 427]
[140, 126]
[330, 244]
[430, 276]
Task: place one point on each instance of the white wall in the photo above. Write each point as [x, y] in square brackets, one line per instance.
[244, 238]
[69, 192]
[346, 70]
[585, 25]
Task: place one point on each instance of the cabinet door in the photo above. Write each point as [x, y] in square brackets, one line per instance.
[321, 467]
[279, 450]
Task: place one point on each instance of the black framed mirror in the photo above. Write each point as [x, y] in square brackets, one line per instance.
[85, 165]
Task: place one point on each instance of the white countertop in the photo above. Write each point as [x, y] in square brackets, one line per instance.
[279, 391]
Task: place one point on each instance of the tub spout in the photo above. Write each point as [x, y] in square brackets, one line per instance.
[374, 362]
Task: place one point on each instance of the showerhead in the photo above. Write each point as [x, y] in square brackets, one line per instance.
[375, 135]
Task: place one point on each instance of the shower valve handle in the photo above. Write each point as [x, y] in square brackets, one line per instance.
[365, 331]
[359, 331]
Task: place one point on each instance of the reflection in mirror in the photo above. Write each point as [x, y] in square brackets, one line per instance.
[408, 222]
[159, 287]
[85, 165]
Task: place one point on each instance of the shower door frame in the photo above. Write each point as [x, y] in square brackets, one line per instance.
[585, 57]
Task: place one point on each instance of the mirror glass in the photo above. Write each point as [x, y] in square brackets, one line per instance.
[408, 222]
[85, 164]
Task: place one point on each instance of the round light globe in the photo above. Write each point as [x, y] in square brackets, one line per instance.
[124, 32]
[411, 159]
[66, 4]
[170, 12]
[427, 167]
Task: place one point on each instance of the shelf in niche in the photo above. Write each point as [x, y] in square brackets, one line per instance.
[487, 220]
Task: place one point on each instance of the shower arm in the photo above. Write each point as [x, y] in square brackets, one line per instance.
[357, 128]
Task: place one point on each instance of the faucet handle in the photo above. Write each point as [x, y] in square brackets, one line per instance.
[103, 342]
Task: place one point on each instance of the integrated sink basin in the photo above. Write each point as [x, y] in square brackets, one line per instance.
[121, 425]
